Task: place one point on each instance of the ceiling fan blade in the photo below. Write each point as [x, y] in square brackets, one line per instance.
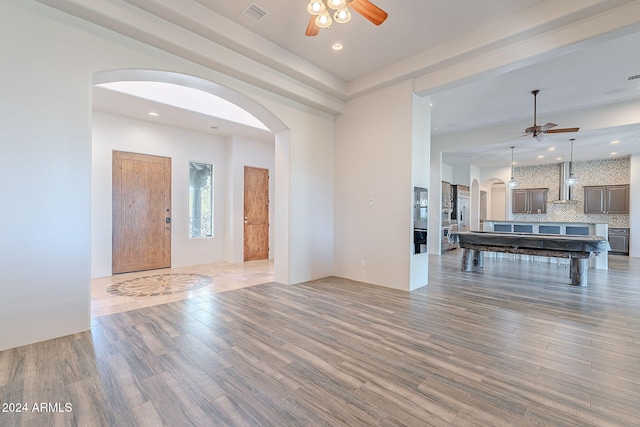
[312, 28]
[369, 10]
[563, 130]
[540, 136]
[548, 126]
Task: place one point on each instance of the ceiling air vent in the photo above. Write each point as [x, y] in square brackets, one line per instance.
[254, 12]
[633, 78]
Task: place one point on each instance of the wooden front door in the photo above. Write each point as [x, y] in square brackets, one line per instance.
[256, 213]
[141, 212]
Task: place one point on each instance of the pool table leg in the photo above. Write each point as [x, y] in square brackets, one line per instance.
[578, 271]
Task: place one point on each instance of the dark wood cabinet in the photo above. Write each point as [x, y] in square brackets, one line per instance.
[612, 199]
[619, 240]
[594, 199]
[529, 200]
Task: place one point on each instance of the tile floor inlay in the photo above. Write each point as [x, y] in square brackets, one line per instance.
[159, 284]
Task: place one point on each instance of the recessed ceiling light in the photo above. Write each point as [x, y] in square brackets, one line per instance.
[558, 158]
[541, 156]
[613, 153]
[153, 113]
[552, 148]
[615, 141]
[337, 46]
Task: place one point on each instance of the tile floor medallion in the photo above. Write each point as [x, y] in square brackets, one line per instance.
[159, 284]
[224, 277]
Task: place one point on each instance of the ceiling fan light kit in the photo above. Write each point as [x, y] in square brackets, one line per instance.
[316, 7]
[342, 16]
[337, 4]
[321, 11]
[323, 20]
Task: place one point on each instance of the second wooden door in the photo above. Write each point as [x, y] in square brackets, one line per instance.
[256, 213]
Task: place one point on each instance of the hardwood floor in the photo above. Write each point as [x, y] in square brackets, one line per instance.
[487, 348]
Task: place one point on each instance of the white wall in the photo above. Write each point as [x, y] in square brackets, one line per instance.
[434, 233]
[373, 163]
[48, 60]
[461, 175]
[498, 202]
[447, 173]
[311, 187]
[44, 182]
[485, 200]
[420, 177]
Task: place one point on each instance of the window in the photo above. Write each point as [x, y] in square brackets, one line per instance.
[200, 200]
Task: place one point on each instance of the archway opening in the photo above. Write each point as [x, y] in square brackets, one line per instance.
[493, 200]
[267, 138]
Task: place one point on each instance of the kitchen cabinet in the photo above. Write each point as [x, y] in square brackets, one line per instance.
[529, 200]
[612, 199]
[619, 240]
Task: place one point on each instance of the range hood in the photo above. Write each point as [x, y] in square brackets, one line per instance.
[565, 190]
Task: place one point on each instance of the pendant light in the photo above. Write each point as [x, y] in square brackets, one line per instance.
[571, 180]
[512, 182]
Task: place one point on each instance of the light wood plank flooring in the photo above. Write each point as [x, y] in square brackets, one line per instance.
[512, 345]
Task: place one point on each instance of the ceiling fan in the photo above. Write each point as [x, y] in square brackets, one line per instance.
[537, 131]
[319, 10]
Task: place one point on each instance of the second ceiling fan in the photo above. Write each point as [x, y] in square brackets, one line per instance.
[320, 9]
[537, 131]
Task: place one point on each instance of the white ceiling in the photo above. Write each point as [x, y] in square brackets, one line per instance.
[413, 26]
[499, 106]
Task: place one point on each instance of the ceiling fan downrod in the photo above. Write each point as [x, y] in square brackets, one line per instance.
[535, 110]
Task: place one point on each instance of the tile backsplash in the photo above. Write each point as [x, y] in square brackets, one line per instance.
[598, 172]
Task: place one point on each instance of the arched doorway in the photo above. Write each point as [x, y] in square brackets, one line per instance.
[493, 200]
[272, 123]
